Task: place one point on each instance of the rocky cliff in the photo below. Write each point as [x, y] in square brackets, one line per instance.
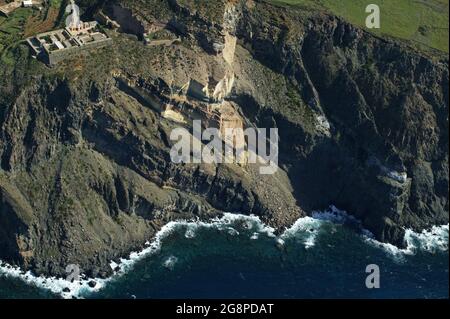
[86, 175]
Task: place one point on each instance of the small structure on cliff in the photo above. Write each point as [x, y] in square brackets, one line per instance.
[158, 33]
[55, 46]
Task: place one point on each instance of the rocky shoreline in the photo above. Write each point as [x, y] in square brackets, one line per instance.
[86, 175]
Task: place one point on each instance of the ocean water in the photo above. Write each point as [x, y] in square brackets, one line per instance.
[323, 256]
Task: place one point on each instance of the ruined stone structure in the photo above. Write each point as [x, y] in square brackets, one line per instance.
[55, 46]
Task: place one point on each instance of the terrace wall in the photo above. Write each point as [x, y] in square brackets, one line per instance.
[57, 56]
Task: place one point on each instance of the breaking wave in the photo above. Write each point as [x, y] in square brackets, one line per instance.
[429, 240]
[305, 230]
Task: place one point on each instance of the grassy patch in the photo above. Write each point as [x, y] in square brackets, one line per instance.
[422, 22]
[24, 22]
[11, 28]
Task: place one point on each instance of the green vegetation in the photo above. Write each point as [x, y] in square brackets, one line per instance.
[24, 22]
[11, 28]
[421, 22]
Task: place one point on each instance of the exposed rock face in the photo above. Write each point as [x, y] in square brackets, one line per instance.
[388, 109]
[85, 170]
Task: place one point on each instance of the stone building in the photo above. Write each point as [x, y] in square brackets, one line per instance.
[55, 46]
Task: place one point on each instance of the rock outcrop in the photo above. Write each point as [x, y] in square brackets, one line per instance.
[85, 168]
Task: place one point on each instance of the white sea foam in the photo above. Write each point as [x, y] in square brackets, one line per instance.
[81, 287]
[170, 262]
[305, 230]
[232, 232]
[190, 233]
[393, 251]
[254, 236]
[432, 240]
[335, 215]
[280, 242]
[429, 240]
[57, 286]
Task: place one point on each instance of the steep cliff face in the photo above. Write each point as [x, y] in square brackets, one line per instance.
[86, 174]
[385, 157]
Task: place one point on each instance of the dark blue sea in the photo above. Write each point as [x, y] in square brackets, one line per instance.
[239, 257]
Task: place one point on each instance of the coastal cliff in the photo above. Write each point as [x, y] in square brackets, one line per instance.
[85, 168]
